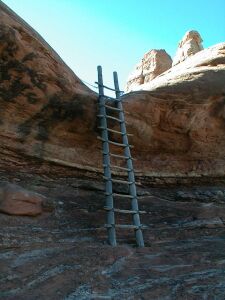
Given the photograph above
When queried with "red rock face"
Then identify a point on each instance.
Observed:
(48, 134)
(49, 118)
(47, 113)
(181, 115)
(181, 135)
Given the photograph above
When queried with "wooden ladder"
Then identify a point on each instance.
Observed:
(104, 116)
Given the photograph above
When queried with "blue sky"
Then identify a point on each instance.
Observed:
(117, 33)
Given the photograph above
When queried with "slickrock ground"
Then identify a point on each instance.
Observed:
(63, 255)
(49, 146)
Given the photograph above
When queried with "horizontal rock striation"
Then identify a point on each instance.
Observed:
(49, 148)
(49, 117)
(63, 256)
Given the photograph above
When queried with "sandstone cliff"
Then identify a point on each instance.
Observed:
(181, 114)
(47, 113)
(49, 124)
(48, 130)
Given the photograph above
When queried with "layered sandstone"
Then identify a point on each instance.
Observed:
(47, 113)
(182, 111)
(48, 134)
(49, 120)
(152, 64)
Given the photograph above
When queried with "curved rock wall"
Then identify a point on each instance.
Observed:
(49, 118)
(47, 114)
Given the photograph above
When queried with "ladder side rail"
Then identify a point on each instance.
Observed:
(131, 176)
(106, 162)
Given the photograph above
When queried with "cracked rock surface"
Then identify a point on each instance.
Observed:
(63, 254)
(49, 147)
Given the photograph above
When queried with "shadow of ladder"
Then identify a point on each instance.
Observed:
(109, 181)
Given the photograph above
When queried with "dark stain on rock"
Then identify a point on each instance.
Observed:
(55, 111)
(24, 130)
(15, 89)
(218, 108)
(28, 57)
(43, 130)
(62, 110)
(17, 86)
(8, 42)
(31, 98)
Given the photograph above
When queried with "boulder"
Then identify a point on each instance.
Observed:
(15, 200)
(152, 64)
(190, 44)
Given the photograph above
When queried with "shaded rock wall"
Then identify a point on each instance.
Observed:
(49, 118)
(46, 112)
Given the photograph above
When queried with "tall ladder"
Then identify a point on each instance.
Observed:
(104, 116)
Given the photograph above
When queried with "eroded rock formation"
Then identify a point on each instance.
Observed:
(177, 122)
(190, 44)
(152, 64)
(182, 112)
(48, 133)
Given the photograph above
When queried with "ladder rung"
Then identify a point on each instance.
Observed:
(125, 211)
(110, 130)
(114, 143)
(118, 180)
(112, 108)
(120, 195)
(110, 117)
(120, 156)
(125, 112)
(125, 226)
(109, 88)
(121, 168)
(117, 167)
(122, 181)
(115, 131)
